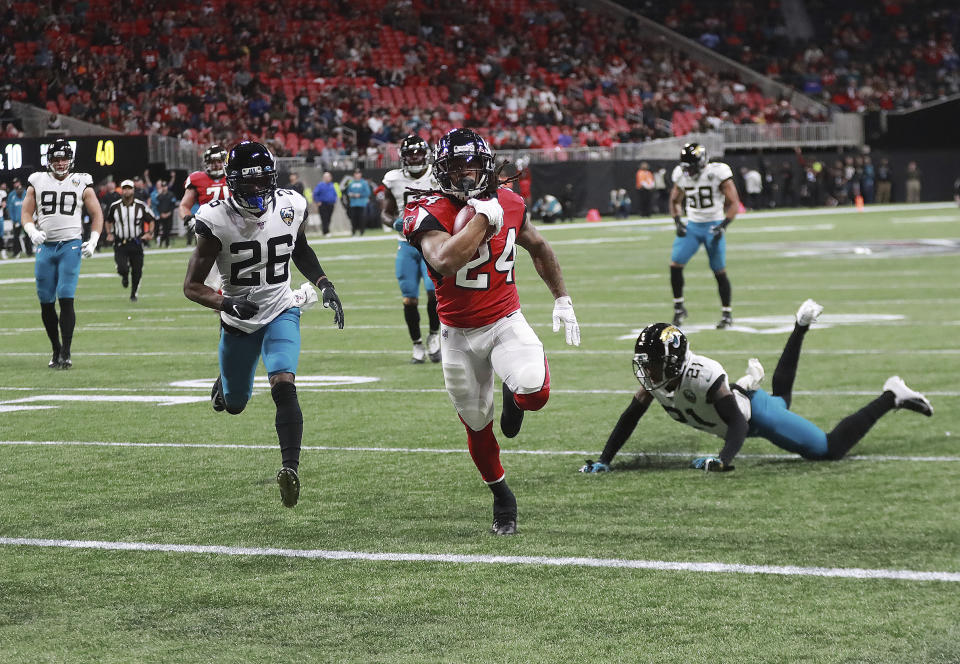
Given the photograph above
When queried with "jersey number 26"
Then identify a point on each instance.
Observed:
(277, 267)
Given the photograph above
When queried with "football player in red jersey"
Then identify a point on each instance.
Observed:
(204, 186)
(482, 328)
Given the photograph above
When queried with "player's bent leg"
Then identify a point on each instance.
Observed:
(518, 359)
(468, 378)
(238, 356)
(683, 250)
(771, 419)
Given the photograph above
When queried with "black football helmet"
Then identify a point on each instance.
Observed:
(659, 355)
(214, 157)
(251, 175)
(693, 157)
(463, 165)
(414, 152)
(58, 151)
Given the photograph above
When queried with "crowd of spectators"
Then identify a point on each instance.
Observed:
(888, 54)
(325, 78)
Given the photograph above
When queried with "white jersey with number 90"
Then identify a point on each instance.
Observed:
(702, 195)
(60, 204)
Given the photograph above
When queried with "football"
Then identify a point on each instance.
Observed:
(463, 217)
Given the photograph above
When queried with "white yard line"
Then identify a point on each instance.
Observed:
(463, 450)
(476, 559)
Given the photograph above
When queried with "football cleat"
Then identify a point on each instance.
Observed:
(124, 280)
(726, 320)
(433, 347)
(133, 297)
(216, 396)
(595, 467)
(54, 362)
(419, 354)
(754, 377)
(511, 415)
(504, 525)
(679, 313)
(289, 483)
(904, 397)
(65, 361)
(808, 313)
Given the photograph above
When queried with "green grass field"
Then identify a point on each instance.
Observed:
(390, 474)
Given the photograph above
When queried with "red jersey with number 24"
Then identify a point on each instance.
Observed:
(207, 188)
(484, 290)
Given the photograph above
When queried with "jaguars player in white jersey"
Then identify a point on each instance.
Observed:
(694, 390)
(252, 237)
(712, 203)
(415, 174)
(57, 198)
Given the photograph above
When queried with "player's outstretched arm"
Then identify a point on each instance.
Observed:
(726, 404)
(305, 258)
(548, 267)
(621, 432)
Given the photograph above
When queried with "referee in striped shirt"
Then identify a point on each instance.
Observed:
(128, 224)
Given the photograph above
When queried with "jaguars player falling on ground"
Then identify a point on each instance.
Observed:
(712, 203)
(58, 198)
(694, 390)
(415, 174)
(252, 237)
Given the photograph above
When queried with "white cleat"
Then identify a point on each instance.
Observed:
(419, 354)
(808, 313)
(433, 347)
(754, 376)
(305, 297)
(904, 397)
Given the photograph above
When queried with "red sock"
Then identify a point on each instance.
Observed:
(538, 399)
(485, 452)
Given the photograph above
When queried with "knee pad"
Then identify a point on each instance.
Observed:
(537, 399)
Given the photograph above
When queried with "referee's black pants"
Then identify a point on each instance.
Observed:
(129, 257)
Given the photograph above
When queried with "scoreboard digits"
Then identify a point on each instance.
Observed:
(119, 156)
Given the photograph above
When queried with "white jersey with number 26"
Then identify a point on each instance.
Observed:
(255, 252)
(60, 204)
(702, 195)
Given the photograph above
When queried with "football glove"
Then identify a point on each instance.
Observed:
(595, 467)
(240, 307)
(563, 315)
(710, 464)
(398, 224)
(681, 228)
(90, 246)
(36, 235)
(188, 223)
(491, 208)
(720, 228)
(305, 296)
(331, 301)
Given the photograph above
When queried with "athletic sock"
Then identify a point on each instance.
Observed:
(68, 320)
(723, 286)
(676, 281)
(412, 315)
(485, 453)
(786, 371)
(504, 502)
(623, 430)
(289, 422)
(854, 427)
(432, 315)
(48, 312)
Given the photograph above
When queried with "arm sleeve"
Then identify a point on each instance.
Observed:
(736, 427)
(204, 231)
(305, 258)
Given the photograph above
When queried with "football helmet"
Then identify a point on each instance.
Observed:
(214, 157)
(693, 157)
(463, 165)
(659, 355)
(413, 156)
(251, 175)
(60, 153)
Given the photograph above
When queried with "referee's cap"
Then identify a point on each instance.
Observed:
(126, 183)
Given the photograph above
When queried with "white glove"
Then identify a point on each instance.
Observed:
(563, 315)
(88, 247)
(305, 296)
(36, 236)
(491, 208)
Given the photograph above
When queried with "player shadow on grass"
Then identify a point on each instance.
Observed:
(658, 461)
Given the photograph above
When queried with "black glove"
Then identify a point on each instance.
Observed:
(720, 228)
(240, 307)
(330, 301)
(681, 229)
(188, 222)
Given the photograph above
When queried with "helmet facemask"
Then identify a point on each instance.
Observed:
(60, 159)
(464, 165)
(253, 193)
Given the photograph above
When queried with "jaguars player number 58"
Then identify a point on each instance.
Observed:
(251, 237)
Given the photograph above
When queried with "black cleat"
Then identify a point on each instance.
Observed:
(511, 415)
(216, 396)
(289, 483)
(504, 525)
(679, 314)
(504, 512)
(133, 298)
(65, 361)
(726, 320)
(54, 362)
(124, 280)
